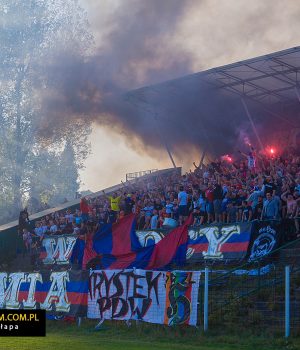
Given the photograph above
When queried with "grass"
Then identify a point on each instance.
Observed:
(117, 336)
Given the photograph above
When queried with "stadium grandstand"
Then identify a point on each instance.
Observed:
(240, 204)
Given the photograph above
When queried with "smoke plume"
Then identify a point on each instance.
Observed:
(139, 47)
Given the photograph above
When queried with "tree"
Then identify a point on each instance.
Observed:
(31, 32)
(68, 184)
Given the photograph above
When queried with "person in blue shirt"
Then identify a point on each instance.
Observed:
(224, 205)
(253, 198)
(169, 208)
(175, 210)
(270, 208)
(148, 213)
(201, 204)
(154, 220)
(182, 205)
(246, 212)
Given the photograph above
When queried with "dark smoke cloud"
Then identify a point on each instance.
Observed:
(137, 49)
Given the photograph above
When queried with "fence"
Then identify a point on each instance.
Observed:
(254, 296)
(137, 174)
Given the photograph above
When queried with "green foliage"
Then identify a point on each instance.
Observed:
(33, 33)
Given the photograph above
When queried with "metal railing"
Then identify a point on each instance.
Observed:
(137, 174)
(257, 297)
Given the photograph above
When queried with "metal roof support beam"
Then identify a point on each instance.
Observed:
(262, 106)
(202, 158)
(164, 141)
(297, 93)
(267, 75)
(276, 90)
(252, 123)
(170, 155)
(273, 75)
(248, 82)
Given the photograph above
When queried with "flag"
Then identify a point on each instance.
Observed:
(116, 247)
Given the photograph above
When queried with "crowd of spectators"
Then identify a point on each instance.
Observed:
(253, 187)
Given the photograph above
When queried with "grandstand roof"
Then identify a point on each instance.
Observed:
(269, 80)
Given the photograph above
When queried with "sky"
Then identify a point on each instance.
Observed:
(210, 33)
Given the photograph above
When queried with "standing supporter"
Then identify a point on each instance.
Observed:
(251, 159)
(201, 204)
(226, 200)
(169, 208)
(61, 225)
(290, 203)
(232, 213)
(85, 209)
(69, 216)
(161, 218)
(78, 218)
(154, 220)
(246, 212)
(157, 205)
(254, 196)
(45, 227)
(53, 227)
(209, 194)
(241, 196)
(196, 210)
(111, 215)
(27, 241)
(257, 211)
(115, 203)
(269, 186)
(102, 219)
(270, 207)
(38, 231)
(23, 220)
(175, 210)
(182, 205)
(129, 203)
(68, 228)
(121, 215)
(148, 209)
(217, 200)
(141, 221)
